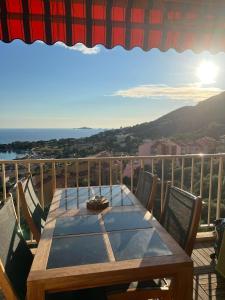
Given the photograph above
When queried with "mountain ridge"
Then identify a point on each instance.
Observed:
(206, 118)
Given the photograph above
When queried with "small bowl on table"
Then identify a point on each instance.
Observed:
(98, 203)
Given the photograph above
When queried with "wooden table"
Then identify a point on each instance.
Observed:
(81, 249)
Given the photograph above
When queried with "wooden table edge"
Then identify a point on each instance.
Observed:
(78, 276)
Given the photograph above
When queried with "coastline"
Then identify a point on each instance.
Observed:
(39, 143)
(13, 135)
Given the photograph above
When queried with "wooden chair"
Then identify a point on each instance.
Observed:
(180, 217)
(220, 266)
(16, 260)
(146, 189)
(15, 256)
(32, 210)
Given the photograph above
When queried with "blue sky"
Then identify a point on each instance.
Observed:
(56, 87)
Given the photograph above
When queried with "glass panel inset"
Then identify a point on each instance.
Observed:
(114, 194)
(120, 199)
(125, 220)
(76, 198)
(68, 199)
(77, 250)
(77, 225)
(137, 244)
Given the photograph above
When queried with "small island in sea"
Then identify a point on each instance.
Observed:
(84, 128)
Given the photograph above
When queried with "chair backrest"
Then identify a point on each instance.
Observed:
(181, 215)
(15, 256)
(146, 189)
(33, 212)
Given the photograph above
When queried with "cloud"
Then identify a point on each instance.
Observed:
(81, 48)
(190, 92)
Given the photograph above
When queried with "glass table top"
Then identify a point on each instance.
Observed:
(137, 244)
(77, 250)
(125, 220)
(79, 239)
(77, 225)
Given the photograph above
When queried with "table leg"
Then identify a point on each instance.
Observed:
(35, 292)
(183, 284)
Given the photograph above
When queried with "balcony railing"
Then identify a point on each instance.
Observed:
(201, 174)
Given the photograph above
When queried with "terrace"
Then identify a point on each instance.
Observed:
(195, 173)
(148, 24)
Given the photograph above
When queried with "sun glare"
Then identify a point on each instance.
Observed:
(207, 72)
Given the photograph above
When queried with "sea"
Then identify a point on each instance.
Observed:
(31, 135)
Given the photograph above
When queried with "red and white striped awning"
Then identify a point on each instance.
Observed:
(163, 24)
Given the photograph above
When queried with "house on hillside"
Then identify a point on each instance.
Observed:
(128, 168)
(201, 145)
(145, 148)
(222, 139)
(163, 146)
(207, 144)
(189, 148)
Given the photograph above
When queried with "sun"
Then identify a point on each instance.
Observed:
(207, 72)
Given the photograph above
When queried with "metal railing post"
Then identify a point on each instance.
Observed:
(77, 173)
(42, 184)
(99, 173)
(210, 190)
(192, 173)
(121, 171)
(89, 174)
(17, 193)
(132, 176)
(182, 174)
(219, 189)
(172, 172)
(53, 178)
(65, 175)
(202, 176)
(3, 182)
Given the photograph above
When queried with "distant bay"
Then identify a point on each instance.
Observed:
(10, 155)
(32, 135)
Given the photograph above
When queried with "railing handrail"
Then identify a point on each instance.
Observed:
(125, 168)
(125, 157)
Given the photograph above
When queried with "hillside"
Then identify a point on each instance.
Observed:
(205, 118)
